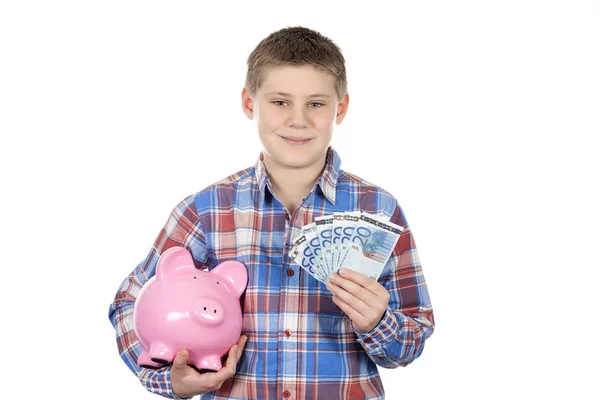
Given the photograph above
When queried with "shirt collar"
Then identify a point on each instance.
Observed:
(327, 182)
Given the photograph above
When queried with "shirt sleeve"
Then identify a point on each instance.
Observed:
(400, 336)
(181, 229)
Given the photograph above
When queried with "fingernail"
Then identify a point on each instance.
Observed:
(343, 272)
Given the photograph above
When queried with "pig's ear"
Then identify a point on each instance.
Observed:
(173, 262)
(234, 275)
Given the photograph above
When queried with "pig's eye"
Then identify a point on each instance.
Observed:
(217, 282)
(195, 278)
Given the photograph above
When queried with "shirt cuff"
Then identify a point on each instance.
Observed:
(170, 388)
(381, 334)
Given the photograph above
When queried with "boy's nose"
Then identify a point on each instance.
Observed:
(297, 119)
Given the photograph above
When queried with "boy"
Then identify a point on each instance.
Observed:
(301, 339)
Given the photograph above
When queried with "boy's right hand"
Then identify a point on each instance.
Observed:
(187, 382)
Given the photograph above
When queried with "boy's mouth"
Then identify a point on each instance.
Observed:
(295, 140)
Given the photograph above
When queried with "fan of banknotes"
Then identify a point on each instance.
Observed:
(353, 239)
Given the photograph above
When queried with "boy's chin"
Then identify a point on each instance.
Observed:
(297, 161)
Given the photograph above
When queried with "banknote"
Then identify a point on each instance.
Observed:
(352, 239)
(302, 254)
(336, 237)
(349, 223)
(324, 232)
(312, 238)
(373, 243)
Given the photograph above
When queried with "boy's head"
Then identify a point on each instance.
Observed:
(296, 90)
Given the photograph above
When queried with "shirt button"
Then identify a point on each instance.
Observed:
(286, 394)
(290, 272)
(367, 340)
(287, 333)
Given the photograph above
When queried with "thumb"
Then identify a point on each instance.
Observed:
(181, 359)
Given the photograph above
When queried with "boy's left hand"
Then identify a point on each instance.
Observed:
(363, 299)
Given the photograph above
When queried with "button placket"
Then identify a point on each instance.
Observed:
(290, 317)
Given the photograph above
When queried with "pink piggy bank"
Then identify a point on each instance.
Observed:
(184, 307)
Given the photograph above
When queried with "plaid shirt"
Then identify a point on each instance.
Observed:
(300, 344)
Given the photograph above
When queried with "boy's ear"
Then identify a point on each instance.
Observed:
(342, 109)
(247, 104)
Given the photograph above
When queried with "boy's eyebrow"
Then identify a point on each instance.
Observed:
(284, 94)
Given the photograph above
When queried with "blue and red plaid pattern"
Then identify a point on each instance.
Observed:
(299, 342)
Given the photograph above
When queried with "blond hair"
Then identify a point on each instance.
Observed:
(296, 46)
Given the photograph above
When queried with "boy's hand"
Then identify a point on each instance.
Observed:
(187, 382)
(363, 299)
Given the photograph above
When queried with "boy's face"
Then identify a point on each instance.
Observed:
(295, 109)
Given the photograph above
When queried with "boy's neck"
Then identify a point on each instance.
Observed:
(292, 185)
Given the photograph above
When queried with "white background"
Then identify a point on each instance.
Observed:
(481, 117)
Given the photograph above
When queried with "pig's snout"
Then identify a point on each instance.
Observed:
(209, 311)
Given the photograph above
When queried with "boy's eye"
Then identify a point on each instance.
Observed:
(283, 103)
